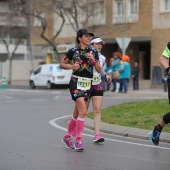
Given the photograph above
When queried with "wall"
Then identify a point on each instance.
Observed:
(20, 70)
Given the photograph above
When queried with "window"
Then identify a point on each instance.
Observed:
(125, 11)
(119, 8)
(164, 5)
(167, 5)
(37, 71)
(117, 11)
(97, 14)
(133, 7)
(132, 10)
(4, 7)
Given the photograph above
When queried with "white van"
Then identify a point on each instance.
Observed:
(49, 75)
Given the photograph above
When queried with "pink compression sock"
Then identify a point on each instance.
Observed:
(79, 126)
(71, 126)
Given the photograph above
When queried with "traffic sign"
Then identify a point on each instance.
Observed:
(123, 43)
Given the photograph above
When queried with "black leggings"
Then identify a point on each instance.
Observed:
(166, 118)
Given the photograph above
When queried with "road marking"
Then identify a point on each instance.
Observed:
(56, 97)
(24, 90)
(36, 91)
(37, 100)
(6, 97)
(53, 123)
(149, 133)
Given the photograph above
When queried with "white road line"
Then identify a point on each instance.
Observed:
(6, 97)
(37, 100)
(24, 90)
(53, 123)
(35, 91)
(149, 133)
(56, 97)
(11, 101)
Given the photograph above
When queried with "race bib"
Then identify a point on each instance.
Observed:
(83, 83)
(96, 79)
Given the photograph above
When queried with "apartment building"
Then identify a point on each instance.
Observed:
(13, 29)
(143, 21)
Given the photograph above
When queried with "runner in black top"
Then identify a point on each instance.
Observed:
(81, 59)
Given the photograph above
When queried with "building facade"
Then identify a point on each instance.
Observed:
(143, 21)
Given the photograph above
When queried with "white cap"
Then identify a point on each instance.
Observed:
(97, 40)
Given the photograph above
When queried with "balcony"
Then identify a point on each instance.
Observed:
(118, 18)
(132, 18)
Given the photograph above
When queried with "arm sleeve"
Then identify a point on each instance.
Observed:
(69, 54)
(122, 67)
(114, 63)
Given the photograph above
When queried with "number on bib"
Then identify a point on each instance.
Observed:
(83, 84)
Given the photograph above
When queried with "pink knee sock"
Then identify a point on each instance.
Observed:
(71, 126)
(79, 127)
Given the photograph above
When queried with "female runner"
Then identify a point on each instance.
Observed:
(81, 59)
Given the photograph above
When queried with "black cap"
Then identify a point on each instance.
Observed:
(84, 31)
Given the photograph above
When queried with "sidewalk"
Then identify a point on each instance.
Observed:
(128, 131)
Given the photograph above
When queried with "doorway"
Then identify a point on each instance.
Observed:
(145, 59)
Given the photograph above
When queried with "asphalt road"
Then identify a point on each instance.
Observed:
(33, 122)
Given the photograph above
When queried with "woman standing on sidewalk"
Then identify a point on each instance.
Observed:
(97, 89)
(81, 59)
(124, 72)
(115, 64)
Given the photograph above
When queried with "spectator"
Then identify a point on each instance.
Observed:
(135, 76)
(115, 77)
(109, 72)
(124, 72)
(103, 78)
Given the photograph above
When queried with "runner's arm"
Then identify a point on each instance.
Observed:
(64, 64)
(163, 61)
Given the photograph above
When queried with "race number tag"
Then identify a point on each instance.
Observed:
(83, 83)
(96, 79)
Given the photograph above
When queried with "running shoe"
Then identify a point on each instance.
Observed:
(154, 138)
(98, 138)
(79, 145)
(68, 143)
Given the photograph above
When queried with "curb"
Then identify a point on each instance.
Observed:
(126, 131)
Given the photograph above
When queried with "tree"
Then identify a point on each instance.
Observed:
(78, 12)
(13, 32)
(41, 11)
(84, 13)
(75, 11)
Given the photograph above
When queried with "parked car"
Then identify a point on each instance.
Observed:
(49, 75)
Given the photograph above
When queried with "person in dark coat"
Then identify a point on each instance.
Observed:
(135, 76)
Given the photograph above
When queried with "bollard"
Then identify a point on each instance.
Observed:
(4, 83)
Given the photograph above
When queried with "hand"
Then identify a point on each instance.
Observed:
(76, 66)
(90, 56)
(108, 78)
(168, 72)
